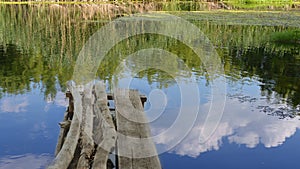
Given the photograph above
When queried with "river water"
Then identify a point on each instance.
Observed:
(250, 111)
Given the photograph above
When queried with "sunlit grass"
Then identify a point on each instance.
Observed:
(262, 4)
(179, 5)
(288, 37)
(244, 17)
(51, 2)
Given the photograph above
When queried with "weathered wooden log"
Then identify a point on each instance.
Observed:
(64, 128)
(86, 130)
(104, 129)
(134, 144)
(65, 124)
(65, 156)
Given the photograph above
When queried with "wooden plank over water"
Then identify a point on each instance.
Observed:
(66, 153)
(135, 148)
(88, 132)
(104, 129)
(64, 128)
(86, 129)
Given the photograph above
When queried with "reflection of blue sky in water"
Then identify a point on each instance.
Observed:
(30, 127)
(26, 161)
(245, 131)
(14, 104)
(240, 125)
(243, 122)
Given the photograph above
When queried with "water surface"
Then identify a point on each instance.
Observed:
(260, 124)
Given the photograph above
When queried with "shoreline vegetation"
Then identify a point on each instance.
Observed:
(168, 5)
(109, 9)
(40, 42)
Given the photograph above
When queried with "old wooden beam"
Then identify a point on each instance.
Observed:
(65, 156)
(64, 128)
(134, 144)
(104, 129)
(86, 130)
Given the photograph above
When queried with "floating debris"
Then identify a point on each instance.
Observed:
(274, 109)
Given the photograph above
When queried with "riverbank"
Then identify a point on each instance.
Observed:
(173, 5)
(112, 9)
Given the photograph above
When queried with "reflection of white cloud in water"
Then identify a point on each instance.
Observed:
(269, 131)
(59, 100)
(26, 161)
(39, 130)
(13, 104)
(241, 124)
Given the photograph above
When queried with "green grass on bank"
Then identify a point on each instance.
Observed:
(287, 37)
(262, 4)
(50, 2)
(245, 17)
(180, 4)
(261, 1)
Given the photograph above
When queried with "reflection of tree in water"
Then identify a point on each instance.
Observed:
(153, 75)
(19, 71)
(121, 51)
(15, 71)
(43, 45)
(38, 47)
(278, 70)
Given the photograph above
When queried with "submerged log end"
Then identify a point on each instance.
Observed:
(65, 124)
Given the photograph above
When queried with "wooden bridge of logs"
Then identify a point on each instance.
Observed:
(95, 135)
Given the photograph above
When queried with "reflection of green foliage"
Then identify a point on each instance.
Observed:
(289, 37)
(278, 70)
(155, 75)
(15, 69)
(40, 45)
(125, 48)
